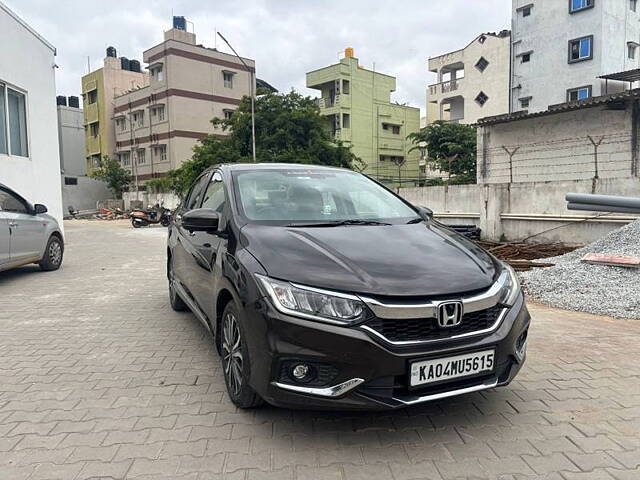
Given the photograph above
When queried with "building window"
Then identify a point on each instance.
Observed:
(631, 50)
(70, 181)
(158, 111)
(157, 73)
(125, 159)
(525, 57)
(482, 64)
(395, 129)
(346, 120)
(228, 79)
(140, 156)
(579, 5)
(633, 5)
(94, 129)
(94, 161)
(581, 49)
(346, 87)
(526, 11)
(482, 98)
(160, 152)
(525, 102)
(13, 122)
(398, 160)
(138, 118)
(580, 93)
(121, 124)
(228, 114)
(92, 96)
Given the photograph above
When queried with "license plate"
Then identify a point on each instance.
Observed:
(441, 369)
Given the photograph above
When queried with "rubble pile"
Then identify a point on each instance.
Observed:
(599, 289)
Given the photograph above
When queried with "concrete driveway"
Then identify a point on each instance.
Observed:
(99, 378)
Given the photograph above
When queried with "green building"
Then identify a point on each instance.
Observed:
(359, 112)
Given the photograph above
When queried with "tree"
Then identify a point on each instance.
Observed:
(289, 128)
(110, 172)
(451, 148)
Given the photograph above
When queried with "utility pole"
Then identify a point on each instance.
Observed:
(251, 94)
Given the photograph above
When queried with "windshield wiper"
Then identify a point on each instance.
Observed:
(415, 220)
(338, 223)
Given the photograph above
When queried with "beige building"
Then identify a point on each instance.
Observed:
(99, 88)
(472, 83)
(157, 126)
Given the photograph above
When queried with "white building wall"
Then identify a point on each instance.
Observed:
(546, 33)
(557, 147)
(459, 97)
(27, 64)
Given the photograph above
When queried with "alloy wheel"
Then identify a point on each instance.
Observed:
(55, 253)
(232, 359)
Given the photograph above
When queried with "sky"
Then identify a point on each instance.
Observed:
(287, 38)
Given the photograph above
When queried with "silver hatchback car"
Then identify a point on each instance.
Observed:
(27, 233)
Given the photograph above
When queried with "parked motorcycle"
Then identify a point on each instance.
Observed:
(150, 216)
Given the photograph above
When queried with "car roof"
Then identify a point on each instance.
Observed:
(272, 166)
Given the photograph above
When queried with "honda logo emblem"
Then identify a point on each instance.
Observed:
(449, 314)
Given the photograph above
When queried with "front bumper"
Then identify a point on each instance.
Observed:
(367, 373)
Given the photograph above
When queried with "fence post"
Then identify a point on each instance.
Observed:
(511, 154)
(595, 153)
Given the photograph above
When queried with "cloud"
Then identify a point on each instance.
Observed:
(287, 38)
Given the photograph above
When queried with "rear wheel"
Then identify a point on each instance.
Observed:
(176, 302)
(235, 360)
(53, 253)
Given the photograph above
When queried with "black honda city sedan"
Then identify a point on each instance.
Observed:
(324, 289)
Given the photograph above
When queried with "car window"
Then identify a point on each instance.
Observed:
(214, 196)
(195, 196)
(10, 203)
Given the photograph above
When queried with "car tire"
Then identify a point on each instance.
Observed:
(235, 360)
(176, 302)
(53, 253)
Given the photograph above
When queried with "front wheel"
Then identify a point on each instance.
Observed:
(165, 222)
(52, 258)
(137, 223)
(235, 360)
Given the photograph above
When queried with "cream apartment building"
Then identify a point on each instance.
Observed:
(158, 125)
(473, 82)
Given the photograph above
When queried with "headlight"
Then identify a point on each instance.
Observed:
(313, 303)
(510, 287)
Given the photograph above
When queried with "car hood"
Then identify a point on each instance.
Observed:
(398, 260)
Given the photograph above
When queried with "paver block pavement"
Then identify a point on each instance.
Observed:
(100, 378)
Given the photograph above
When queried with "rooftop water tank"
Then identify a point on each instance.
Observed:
(124, 63)
(134, 66)
(61, 100)
(111, 52)
(74, 102)
(179, 23)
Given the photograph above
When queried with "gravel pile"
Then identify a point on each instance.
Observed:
(598, 289)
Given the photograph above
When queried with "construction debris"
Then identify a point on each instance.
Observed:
(593, 288)
(612, 260)
(520, 255)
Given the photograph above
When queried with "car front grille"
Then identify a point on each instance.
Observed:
(426, 329)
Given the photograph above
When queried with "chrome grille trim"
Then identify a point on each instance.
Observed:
(406, 310)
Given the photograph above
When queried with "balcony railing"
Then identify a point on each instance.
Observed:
(445, 87)
(328, 102)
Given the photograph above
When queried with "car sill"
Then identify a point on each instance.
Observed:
(190, 303)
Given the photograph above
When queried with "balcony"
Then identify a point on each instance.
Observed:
(328, 102)
(445, 87)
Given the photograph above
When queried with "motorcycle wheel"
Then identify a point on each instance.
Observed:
(135, 223)
(165, 222)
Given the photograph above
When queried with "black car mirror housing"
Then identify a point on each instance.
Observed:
(201, 220)
(38, 209)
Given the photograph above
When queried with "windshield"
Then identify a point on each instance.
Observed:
(283, 196)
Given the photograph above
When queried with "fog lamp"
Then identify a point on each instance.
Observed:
(300, 371)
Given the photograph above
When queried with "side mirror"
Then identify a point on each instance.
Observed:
(38, 208)
(425, 213)
(201, 220)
